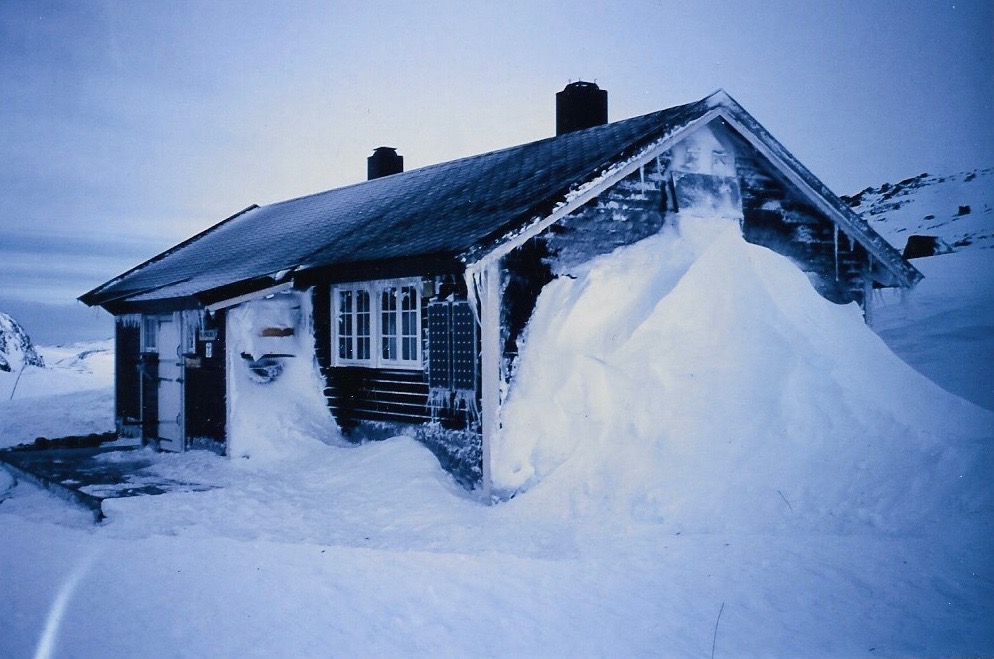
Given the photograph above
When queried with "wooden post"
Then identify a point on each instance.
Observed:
(868, 291)
(835, 239)
(486, 281)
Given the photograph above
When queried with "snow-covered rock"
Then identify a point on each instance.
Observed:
(16, 349)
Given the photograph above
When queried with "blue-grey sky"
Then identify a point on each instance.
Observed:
(127, 126)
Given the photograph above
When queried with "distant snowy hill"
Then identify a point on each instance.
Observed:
(944, 328)
(959, 209)
(16, 349)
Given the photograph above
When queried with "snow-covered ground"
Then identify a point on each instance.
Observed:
(723, 463)
(71, 395)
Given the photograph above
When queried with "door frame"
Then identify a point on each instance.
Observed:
(151, 344)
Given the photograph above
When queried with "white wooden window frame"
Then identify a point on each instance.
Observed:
(375, 289)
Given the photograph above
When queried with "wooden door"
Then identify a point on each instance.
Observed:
(170, 413)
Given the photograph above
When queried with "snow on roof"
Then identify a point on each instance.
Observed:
(440, 211)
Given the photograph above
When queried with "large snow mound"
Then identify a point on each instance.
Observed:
(699, 380)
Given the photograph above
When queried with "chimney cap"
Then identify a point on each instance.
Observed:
(581, 84)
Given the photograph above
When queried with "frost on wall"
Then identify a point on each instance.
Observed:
(276, 402)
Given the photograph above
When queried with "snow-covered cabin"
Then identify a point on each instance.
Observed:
(416, 286)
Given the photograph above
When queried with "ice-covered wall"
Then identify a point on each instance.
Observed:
(276, 403)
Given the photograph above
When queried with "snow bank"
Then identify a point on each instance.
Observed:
(277, 406)
(698, 380)
(944, 328)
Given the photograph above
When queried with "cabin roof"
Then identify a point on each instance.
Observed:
(443, 211)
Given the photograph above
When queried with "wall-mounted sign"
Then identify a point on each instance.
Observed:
(208, 335)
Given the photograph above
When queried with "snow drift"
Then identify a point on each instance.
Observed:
(699, 380)
(277, 406)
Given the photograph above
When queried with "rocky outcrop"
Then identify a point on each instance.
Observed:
(16, 349)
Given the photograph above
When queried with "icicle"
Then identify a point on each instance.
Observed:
(835, 238)
(642, 179)
(130, 320)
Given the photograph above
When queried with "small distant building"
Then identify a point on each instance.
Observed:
(418, 284)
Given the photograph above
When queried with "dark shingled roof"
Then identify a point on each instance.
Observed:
(438, 212)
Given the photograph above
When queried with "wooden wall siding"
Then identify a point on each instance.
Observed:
(127, 383)
(366, 394)
(776, 216)
(629, 211)
(204, 381)
(526, 271)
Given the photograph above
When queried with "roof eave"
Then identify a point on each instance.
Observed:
(93, 297)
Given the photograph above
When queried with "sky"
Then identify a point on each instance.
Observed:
(126, 127)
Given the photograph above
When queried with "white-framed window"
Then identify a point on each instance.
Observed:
(377, 324)
(150, 333)
(353, 327)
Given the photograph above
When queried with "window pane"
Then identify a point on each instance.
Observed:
(362, 324)
(388, 323)
(409, 330)
(345, 327)
(389, 335)
(410, 349)
(151, 330)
